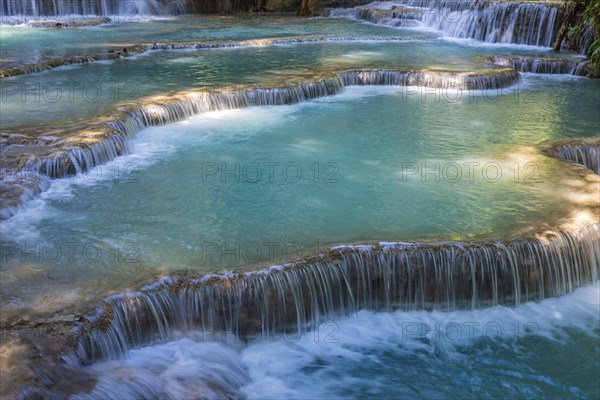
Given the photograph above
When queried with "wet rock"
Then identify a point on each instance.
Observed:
(70, 24)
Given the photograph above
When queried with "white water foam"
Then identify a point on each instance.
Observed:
(499, 45)
(423, 27)
(177, 370)
(149, 146)
(157, 143)
(148, 149)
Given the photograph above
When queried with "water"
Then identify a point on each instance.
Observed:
(528, 23)
(581, 155)
(334, 177)
(535, 350)
(33, 9)
(83, 90)
(505, 22)
(22, 45)
(540, 66)
(205, 204)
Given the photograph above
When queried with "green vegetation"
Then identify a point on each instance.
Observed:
(591, 16)
(579, 17)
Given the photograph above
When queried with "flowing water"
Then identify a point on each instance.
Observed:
(309, 176)
(504, 22)
(81, 90)
(544, 350)
(438, 185)
(30, 9)
(22, 45)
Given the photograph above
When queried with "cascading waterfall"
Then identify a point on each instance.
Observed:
(296, 297)
(432, 79)
(539, 65)
(587, 154)
(108, 140)
(390, 276)
(18, 188)
(339, 12)
(29, 9)
(489, 21)
(584, 68)
(583, 40)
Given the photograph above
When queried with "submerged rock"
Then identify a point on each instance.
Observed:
(70, 24)
(400, 16)
(70, 60)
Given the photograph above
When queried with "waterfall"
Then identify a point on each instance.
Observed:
(107, 138)
(489, 21)
(493, 79)
(582, 41)
(584, 68)
(17, 188)
(539, 65)
(297, 297)
(587, 154)
(65, 9)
